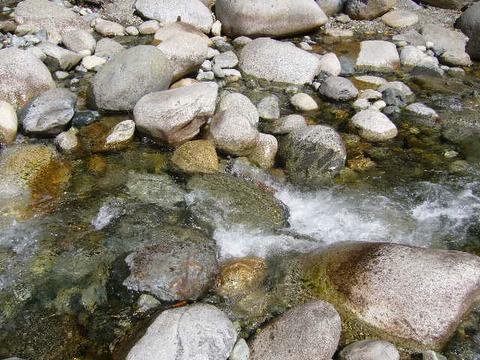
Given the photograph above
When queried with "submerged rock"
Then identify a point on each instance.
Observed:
(195, 332)
(370, 350)
(415, 297)
(175, 116)
(313, 154)
(197, 156)
(181, 267)
(269, 108)
(291, 65)
(133, 73)
(264, 153)
(308, 331)
(269, 17)
(338, 88)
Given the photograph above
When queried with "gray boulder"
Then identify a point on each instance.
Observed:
(370, 350)
(49, 113)
(79, 40)
(449, 44)
(108, 48)
(313, 154)
(133, 73)
(195, 332)
(192, 12)
(331, 7)
(448, 4)
(469, 23)
(175, 116)
(278, 61)
(368, 9)
(268, 17)
(59, 58)
(22, 77)
(181, 267)
(338, 88)
(308, 331)
(184, 45)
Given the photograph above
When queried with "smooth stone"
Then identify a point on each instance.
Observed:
(331, 7)
(371, 80)
(198, 156)
(149, 27)
(227, 59)
(120, 11)
(313, 154)
(269, 17)
(132, 30)
(181, 267)
(269, 108)
(93, 62)
(410, 37)
(78, 40)
(368, 9)
(432, 355)
(233, 129)
(361, 104)
(469, 23)
(264, 153)
(455, 58)
(379, 105)
(303, 102)
(49, 113)
(232, 74)
(8, 123)
(146, 303)
(194, 332)
(411, 57)
(444, 40)
(330, 64)
(339, 33)
(374, 126)
(308, 331)
(108, 48)
(59, 58)
(421, 110)
(216, 28)
(183, 82)
(240, 351)
(184, 45)
(175, 116)
(205, 76)
(399, 89)
(192, 12)
(378, 55)
(67, 141)
(338, 88)
(121, 133)
(241, 41)
(284, 125)
(370, 94)
(133, 73)
(109, 28)
(292, 65)
(400, 18)
(370, 350)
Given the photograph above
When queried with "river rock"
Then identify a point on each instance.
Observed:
(313, 154)
(59, 58)
(93, 62)
(469, 23)
(175, 116)
(54, 18)
(22, 77)
(133, 73)
(448, 4)
(370, 350)
(8, 123)
(448, 43)
(368, 9)
(308, 331)
(194, 332)
(330, 64)
(303, 102)
(79, 40)
(121, 134)
(120, 11)
(149, 27)
(181, 267)
(389, 287)
(184, 45)
(264, 152)
(411, 57)
(67, 141)
(374, 126)
(109, 28)
(235, 201)
(240, 351)
(198, 156)
(108, 48)
(291, 65)
(338, 88)
(269, 17)
(331, 7)
(422, 110)
(378, 55)
(49, 113)
(269, 108)
(226, 59)
(192, 12)
(400, 18)
(284, 125)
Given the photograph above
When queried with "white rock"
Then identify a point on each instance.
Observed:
(61, 75)
(378, 55)
(232, 74)
(305, 46)
(269, 108)
(93, 62)
(205, 76)
(361, 104)
(149, 27)
(67, 141)
(330, 64)
(422, 110)
(370, 94)
(379, 105)
(132, 30)
(241, 41)
(411, 56)
(240, 351)
(122, 132)
(78, 40)
(374, 126)
(212, 53)
(206, 65)
(285, 125)
(339, 33)
(58, 57)
(303, 102)
(371, 80)
(217, 28)
(226, 59)
(109, 28)
(400, 18)
(8, 123)
(263, 154)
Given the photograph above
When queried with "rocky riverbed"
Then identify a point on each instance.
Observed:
(268, 179)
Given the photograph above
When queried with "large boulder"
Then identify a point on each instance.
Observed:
(414, 297)
(368, 9)
(192, 12)
(49, 113)
(133, 73)
(175, 116)
(469, 23)
(268, 17)
(195, 332)
(22, 77)
(313, 154)
(184, 45)
(308, 331)
(181, 267)
(278, 61)
(49, 15)
(234, 127)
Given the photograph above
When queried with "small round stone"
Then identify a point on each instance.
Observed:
(374, 126)
(400, 18)
(303, 102)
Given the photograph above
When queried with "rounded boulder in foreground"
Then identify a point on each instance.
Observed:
(374, 126)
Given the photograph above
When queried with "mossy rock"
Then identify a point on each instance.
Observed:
(198, 156)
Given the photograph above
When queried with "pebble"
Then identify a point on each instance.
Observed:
(379, 105)
(264, 153)
(67, 141)
(206, 65)
(216, 28)
(370, 94)
(371, 80)
(232, 74)
(338, 88)
(422, 110)
(8, 123)
(370, 350)
(121, 133)
(241, 41)
(132, 30)
(61, 75)
(361, 104)
(305, 46)
(226, 59)
(339, 33)
(285, 125)
(303, 102)
(205, 76)
(330, 64)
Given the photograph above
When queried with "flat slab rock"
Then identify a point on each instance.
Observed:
(378, 55)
